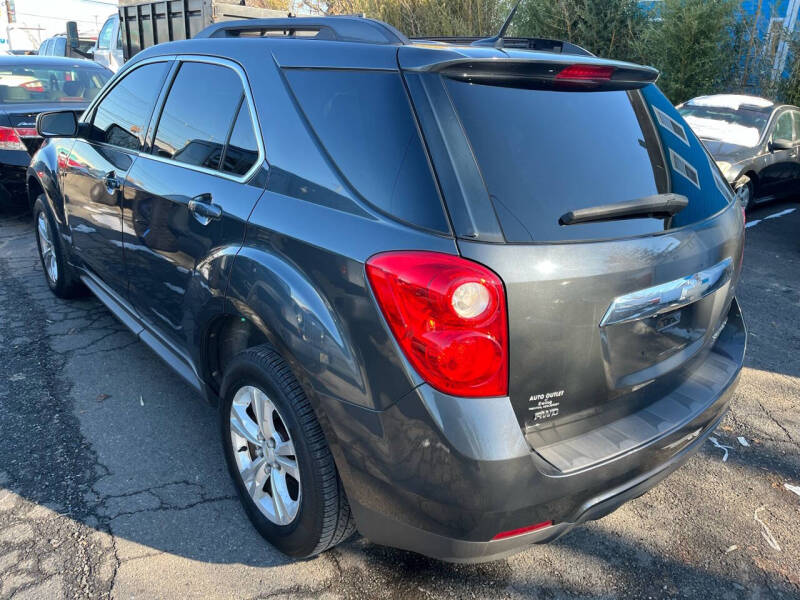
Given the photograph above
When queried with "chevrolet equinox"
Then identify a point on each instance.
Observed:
(459, 297)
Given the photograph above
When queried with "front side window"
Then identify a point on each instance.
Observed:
(783, 127)
(122, 117)
(198, 114)
(104, 38)
(796, 125)
(60, 46)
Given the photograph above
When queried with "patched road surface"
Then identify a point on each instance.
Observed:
(112, 480)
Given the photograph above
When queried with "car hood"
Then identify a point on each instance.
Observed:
(725, 151)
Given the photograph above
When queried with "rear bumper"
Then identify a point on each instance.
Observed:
(442, 476)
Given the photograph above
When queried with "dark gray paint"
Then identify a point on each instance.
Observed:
(422, 470)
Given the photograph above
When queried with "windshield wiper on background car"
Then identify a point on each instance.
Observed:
(658, 206)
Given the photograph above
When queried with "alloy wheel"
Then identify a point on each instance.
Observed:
(47, 248)
(265, 455)
(743, 195)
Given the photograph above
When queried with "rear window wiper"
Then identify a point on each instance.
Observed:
(659, 206)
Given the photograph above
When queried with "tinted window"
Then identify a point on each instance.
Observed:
(241, 152)
(104, 38)
(122, 117)
(796, 129)
(545, 153)
(365, 122)
(62, 83)
(783, 127)
(198, 114)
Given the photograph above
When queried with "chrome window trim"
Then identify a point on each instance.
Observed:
(213, 60)
(180, 58)
(114, 82)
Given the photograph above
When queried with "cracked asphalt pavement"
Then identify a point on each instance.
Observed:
(113, 484)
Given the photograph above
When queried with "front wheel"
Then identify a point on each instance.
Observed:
(744, 193)
(278, 457)
(61, 277)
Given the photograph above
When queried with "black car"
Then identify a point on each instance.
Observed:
(754, 141)
(459, 297)
(28, 86)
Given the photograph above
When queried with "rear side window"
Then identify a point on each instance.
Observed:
(241, 152)
(544, 153)
(198, 114)
(122, 116)
(365, 123)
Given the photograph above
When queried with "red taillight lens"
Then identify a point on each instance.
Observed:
(33, 86)
(449, 316)
(9, 139)
(521, 530)
(585, 72)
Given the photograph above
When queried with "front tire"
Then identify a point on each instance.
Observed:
(59, 274)
(745, 191)
(278, 457)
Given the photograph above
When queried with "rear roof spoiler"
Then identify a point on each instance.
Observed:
(517, 43)
(557, 73)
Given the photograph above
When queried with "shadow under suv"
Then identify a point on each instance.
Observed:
(458, 297)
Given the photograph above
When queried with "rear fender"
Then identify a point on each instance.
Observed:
(289, 312)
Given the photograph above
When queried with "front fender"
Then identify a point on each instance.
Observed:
(44, 170)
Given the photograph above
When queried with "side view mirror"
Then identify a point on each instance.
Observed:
(62, 123)
(72, 34)
(780, 144)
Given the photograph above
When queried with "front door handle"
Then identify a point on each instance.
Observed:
(204, 210)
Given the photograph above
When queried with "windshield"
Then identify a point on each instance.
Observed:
(29, 84)
(742, 127)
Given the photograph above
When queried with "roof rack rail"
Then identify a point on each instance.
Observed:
(339, 28)
(539, 44)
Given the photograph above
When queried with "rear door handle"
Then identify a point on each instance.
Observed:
(111, 181)
(204, 210)
(668, 296)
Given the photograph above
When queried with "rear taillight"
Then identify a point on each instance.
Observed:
(33, 86)
(449, 316)
(10, 140)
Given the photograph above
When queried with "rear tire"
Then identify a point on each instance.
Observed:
(61, 277)
(284, 456)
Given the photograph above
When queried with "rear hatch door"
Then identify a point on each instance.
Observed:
(605, 318)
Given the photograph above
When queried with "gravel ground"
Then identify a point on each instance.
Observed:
(112, 482)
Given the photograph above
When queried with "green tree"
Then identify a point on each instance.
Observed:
(609, 28)
(693, 44)
(418, 18)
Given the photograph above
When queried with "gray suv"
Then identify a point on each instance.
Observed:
(459, 297)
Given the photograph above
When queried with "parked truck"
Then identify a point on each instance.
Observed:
(140, 24)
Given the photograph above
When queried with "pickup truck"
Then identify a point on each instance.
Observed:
(140, 24)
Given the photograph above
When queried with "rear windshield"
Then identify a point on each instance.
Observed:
(545, 153)
(68, 83)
